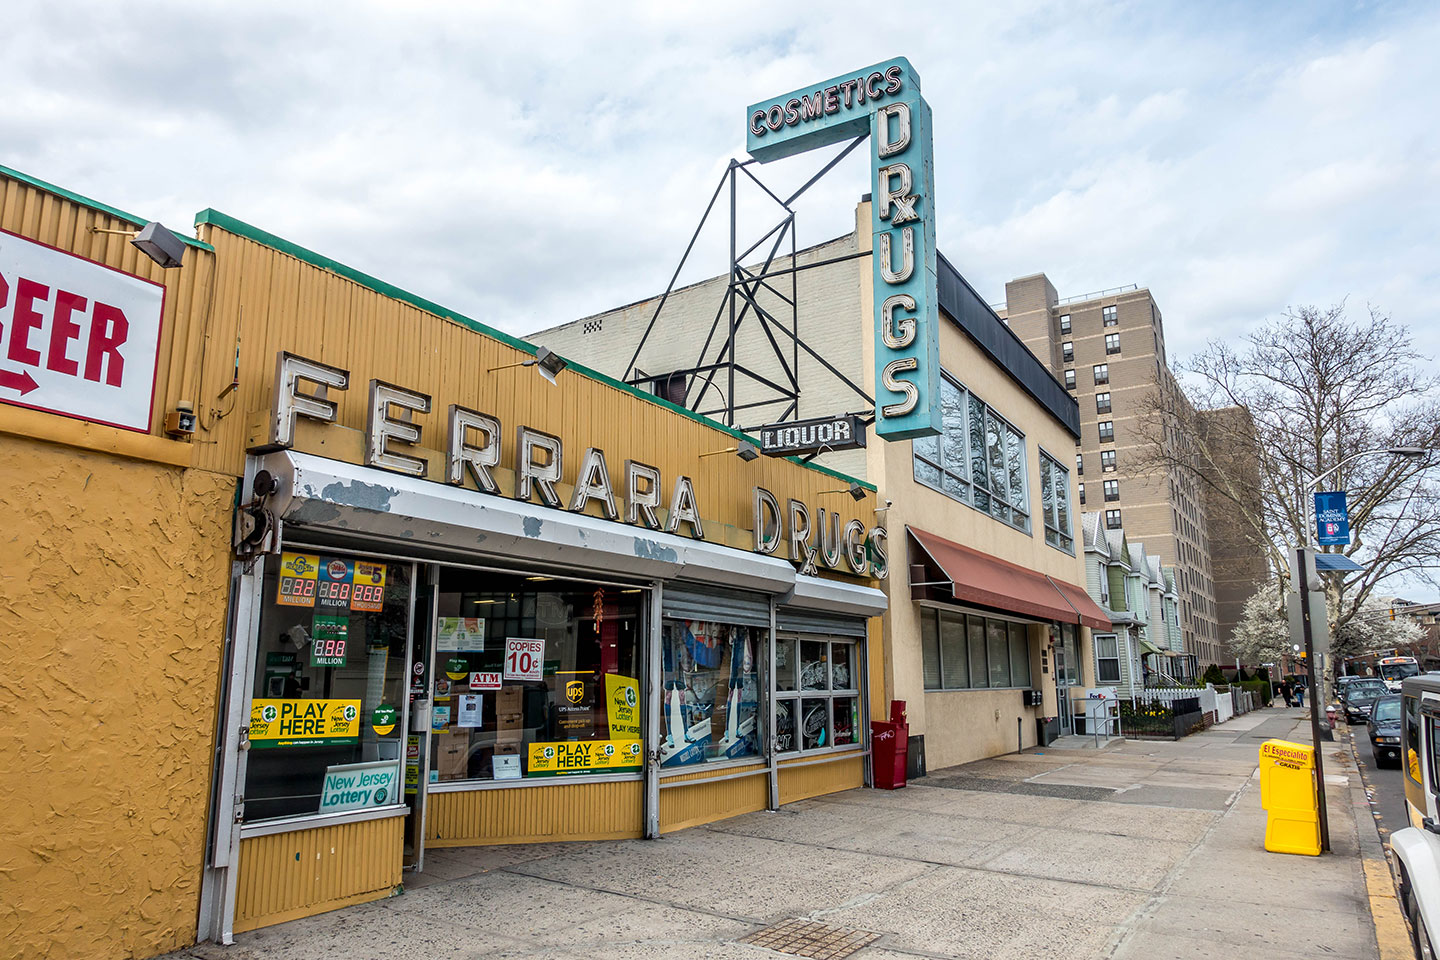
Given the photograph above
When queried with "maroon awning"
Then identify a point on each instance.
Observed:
(979, 578)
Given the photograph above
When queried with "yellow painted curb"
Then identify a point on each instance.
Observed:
(1391, 933)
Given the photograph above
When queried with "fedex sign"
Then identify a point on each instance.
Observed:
(76, 338)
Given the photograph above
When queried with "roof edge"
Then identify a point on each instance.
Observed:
(104, 208)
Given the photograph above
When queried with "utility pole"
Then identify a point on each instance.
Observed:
(1302, 577)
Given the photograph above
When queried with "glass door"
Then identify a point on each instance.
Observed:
(417, 740)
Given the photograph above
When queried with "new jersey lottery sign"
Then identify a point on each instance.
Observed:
(76, 338)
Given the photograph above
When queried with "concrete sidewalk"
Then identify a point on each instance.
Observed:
(1141, 850)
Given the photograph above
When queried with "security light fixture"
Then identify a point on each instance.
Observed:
(855, 490)
(155, 241)
(547, 362)
(1407, 451)
(744, 449)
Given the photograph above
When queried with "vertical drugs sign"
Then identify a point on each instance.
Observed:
(885, 100)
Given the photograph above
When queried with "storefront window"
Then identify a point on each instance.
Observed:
(330, 661)
(534, 677)
(970, 651)
(826, 713)
(711, 674)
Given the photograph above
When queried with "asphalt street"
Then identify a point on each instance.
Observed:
(1386, 785)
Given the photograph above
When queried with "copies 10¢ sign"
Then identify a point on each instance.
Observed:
(76, 338)
(524, 659)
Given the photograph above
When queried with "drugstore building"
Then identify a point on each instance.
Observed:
(310, 574)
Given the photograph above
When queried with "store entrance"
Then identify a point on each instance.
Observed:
(1067, 674)
(417, 739)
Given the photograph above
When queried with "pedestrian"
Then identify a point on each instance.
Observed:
(1285, 691)
(1299, 694)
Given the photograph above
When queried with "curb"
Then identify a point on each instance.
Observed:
(1392, 933)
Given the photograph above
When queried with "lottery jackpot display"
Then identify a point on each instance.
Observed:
(330, 583)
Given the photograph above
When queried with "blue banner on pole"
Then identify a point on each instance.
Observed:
(1332, 520)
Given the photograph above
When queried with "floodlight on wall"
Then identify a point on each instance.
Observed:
(155, 241)
(856, 491)
(745, 450)
(547, 362)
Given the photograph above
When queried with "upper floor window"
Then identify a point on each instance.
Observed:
(1065, 323)
(1079, 464)
(1110, 316)
(1112, 489)
(1107, 461)
(1055, 503)
(1101, 373)
(979, 459)
(1081, 487)
(1102, 403)
(1107, 431)
(1069, 379)
(1067, 351)
(1112, 343)
(1112, 519)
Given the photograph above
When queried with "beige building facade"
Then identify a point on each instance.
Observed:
(988, 622)
(1109, 350)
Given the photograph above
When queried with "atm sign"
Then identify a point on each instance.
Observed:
(77, 338)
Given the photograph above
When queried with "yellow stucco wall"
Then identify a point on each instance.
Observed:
(113, 594)
(960, 726)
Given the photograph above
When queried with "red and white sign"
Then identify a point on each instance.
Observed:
(77, 338)
(524, 659)
(484, 681)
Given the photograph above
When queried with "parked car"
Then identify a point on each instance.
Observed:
(1417, 847)
(1384, 729)
(1360, 696)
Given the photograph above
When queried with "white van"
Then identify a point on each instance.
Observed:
(1417, 847)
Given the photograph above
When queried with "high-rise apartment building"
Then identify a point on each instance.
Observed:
(1109, 350)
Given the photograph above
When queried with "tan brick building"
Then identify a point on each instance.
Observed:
(1109, 349)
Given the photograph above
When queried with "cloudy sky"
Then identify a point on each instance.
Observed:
(528, 164)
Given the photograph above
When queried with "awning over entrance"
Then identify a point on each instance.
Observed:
(979, 578)
(1149, 647)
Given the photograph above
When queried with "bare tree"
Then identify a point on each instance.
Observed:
(1319, 388)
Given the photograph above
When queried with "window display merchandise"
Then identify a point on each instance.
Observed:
(534, 677)
(817, 698)
(711, 691)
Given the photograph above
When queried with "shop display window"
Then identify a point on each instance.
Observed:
(328, 687)
(710, 709)
(817, 699)
(534, 677)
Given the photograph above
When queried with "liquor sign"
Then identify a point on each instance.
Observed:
(806, 436)
(1332, 519)
(77, 338)
(884, 99)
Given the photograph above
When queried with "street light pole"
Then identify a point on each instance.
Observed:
(1302, 582)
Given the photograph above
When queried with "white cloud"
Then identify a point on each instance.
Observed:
(533, 163)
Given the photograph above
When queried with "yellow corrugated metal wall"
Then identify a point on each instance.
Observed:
(817, 779)
(579, 811)
(289, 875)
(283, 303)
(701, 802)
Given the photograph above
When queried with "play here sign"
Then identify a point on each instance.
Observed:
(76, 338)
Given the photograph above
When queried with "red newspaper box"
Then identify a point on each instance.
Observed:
(889, 750)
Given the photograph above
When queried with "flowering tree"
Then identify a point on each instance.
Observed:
(1263, 634)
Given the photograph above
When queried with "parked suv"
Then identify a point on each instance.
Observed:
(1360, 696)
(1417, 847)
(1384, 729)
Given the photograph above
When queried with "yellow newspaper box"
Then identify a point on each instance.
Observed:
(1288, 794)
